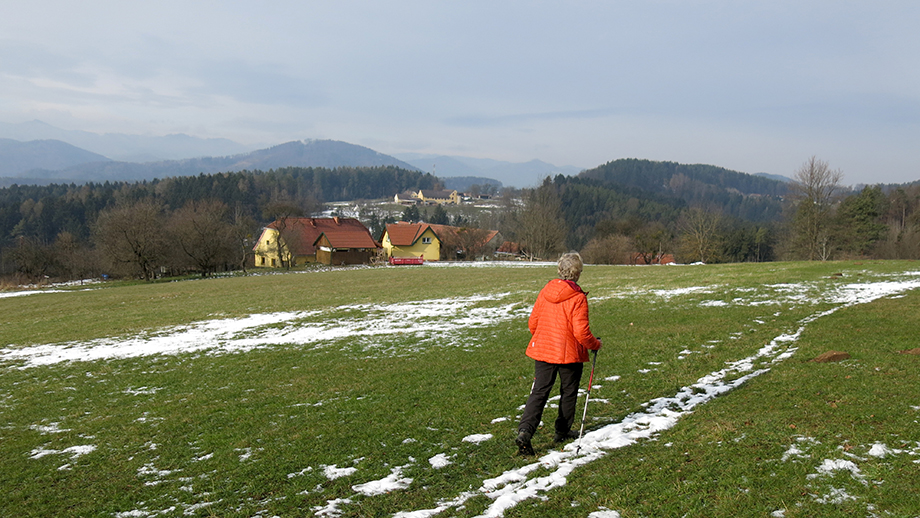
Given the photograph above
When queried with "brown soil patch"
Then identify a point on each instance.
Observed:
(831, 356)
(911, 351)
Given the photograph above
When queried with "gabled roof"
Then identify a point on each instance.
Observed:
(348, 238)
(445, 230)
(301, 234)
(406, 234)
(443, 194)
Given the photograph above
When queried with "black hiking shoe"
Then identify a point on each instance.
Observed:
(567, 436)
(523, 444)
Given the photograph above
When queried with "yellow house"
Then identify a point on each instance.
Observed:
(411, 240)
(296, 241)
(427, 196)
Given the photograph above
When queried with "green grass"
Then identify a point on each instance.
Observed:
(250, 433)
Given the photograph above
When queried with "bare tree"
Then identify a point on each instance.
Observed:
(814, 189)
(472, 241)
(611, 249)
(540, 227)
(133, 236)
(699, 234)
(34, 259)
(200, 230)
(650, 242)
(242, 231)
(74, 260)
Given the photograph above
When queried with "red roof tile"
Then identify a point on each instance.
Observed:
(301, 234)
(405, 234)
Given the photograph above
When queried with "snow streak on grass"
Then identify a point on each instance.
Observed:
(437, 320)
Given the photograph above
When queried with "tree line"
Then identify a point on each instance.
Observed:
(612, 214)
(198, 223)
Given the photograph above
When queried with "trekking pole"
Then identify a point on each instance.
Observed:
(587, 397)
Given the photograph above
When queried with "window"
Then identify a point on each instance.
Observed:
(426, 240)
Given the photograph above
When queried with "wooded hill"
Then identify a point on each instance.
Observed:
(624, 195)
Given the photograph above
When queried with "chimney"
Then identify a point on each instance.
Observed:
(336, 219)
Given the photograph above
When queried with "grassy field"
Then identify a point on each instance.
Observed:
(396, 392)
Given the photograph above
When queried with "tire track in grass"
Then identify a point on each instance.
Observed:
(514, 486)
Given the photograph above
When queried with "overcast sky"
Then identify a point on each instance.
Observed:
(754, 86)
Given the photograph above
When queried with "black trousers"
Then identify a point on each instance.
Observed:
(543, 380)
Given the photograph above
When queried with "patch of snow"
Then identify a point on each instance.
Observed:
(477, 438)
(829, 466)
(394, 481)
(11, 294)
(439, 461)
(142, 391)
(74, 451)
(300, 473)
(50, 428)
(333, 472)
(794, 451)
(835, 497)
(879, 450)
(331, 508)
(668, 294)
(437, 320)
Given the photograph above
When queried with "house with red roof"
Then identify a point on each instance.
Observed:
(411, 240)
(297, 241)
(438, 242)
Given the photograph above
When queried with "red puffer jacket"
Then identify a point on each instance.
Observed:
(559, 325)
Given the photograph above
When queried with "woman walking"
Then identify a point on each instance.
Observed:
(559, 346)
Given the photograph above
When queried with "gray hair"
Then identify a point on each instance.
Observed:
(570, 266)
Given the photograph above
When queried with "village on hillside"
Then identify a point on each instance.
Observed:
(343, 240)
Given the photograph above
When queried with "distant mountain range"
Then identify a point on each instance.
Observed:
(38, 153)
(51, 161)
(123, 147)
(18, 157)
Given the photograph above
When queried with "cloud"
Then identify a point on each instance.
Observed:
(478, 121)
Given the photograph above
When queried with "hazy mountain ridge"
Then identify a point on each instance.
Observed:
(17, 157)
(309, 153)
(125, 147)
